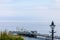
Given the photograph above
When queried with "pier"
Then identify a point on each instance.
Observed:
(35, 34)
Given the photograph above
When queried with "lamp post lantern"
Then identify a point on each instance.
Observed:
(52, 29)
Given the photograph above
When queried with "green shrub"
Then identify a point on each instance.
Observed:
(5, 36)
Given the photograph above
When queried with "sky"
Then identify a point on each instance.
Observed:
(30, 10)
(43, 11)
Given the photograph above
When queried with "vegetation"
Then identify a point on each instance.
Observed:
(5, 36)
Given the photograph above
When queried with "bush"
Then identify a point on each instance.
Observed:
(5, 36)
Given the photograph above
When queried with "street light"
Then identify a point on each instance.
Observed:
(52, 29)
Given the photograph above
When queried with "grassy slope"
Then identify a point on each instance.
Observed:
(5, 36)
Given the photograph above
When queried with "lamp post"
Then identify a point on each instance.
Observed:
(52, 29)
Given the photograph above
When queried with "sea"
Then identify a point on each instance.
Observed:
(40, 27)
(29, 38)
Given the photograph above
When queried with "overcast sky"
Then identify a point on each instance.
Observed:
(30, 10)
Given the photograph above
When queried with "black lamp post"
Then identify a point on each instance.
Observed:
(52, 29)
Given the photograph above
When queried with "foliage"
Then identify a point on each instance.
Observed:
(5, 36)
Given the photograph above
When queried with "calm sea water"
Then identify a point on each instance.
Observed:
(28, 38)
(42, 28)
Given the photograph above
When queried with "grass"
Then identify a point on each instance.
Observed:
(5, 36)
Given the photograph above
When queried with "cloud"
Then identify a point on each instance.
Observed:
(7, 8)
(28, 10)
(5, 1)
(57, 3)
(6, 11)
(24, 8)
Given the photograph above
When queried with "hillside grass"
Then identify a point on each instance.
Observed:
(5, 36)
